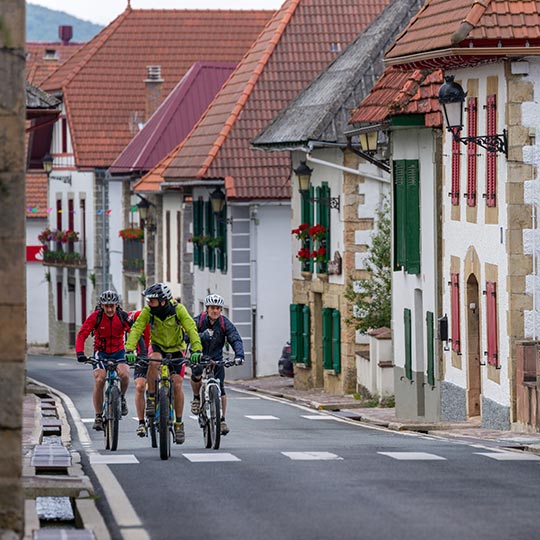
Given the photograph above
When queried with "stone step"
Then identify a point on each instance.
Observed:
(63, 534)
(50, 457)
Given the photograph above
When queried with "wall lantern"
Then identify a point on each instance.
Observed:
(303, 173)
(452, 97)
(217, 200)
(47, 163)
(144, 213)
(368, 142)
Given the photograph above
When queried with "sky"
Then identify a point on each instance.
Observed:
(104, 11)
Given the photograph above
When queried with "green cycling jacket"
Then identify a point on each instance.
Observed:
(168, 335)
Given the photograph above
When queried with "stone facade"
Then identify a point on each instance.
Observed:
(12, 261)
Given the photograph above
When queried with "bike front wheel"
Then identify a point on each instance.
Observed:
(113, 418)
(214, 419)
(163, 424)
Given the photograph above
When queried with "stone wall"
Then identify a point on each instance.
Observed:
(12, 262)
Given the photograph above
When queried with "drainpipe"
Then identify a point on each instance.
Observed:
(254, 222)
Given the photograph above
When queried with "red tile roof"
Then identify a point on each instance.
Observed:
(36, 195)
(40, 66)
(300, 41)
(103, 83)
(402, 92)
(469, 25)
(174, 118)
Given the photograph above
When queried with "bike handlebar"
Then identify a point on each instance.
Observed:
(205, 361)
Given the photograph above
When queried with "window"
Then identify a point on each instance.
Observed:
(308, 216)
(492, 337)
(83, 303)
(407, 215)
(71, 215)
(472, 131)
(59, 304)
(331, 335)
(300, 331)
(323, 218)
(491, 157)
(64, 136)
(59, 214)
(408, 343)
(82, 204)
(198, 220)
(454, 299)
(430, 349)
(456, 165)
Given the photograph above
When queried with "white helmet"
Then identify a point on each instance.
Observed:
(214, 300)
(109, 297)
(161, 291)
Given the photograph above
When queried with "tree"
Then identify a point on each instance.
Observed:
(371, 298)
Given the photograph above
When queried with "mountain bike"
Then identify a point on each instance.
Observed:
(111, 412)
(210, 402)
(165, 416)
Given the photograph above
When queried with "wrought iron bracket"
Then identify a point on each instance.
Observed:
(334, 202)
(492, 143)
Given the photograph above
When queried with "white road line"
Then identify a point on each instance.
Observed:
(110, 459)
(87, 420)
(318, 417)
(261, 417)
(509, 456)
(412, 456)
(244, 398)
(121, 508)
(312, 456)
(193, 417)
(210, 457)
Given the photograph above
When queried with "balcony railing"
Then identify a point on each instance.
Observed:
(133, 255)
(64, 254)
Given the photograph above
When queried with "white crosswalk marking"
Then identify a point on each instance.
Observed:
(261, 417)
(318, 417)
(311, 456)
(211, 457)
(87, 420)
(412, 456)
(112, 459)
(509, 456)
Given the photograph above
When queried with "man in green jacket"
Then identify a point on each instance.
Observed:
(168, 320)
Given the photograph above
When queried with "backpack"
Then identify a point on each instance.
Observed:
(124, 316)
(203, 316)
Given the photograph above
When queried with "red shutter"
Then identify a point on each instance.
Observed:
(64, 135)
(59, 214)
(491, 157)
(472, 128)
(491, 308)
(71, 215)
(456, 164)
(59, 304)
(83, 303)
(456, 336)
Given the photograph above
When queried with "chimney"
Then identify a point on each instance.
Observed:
(65, 33)
(153, 84)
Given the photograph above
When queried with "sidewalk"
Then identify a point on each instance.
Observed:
(346, 406)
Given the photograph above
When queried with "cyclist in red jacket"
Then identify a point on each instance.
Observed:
(109, 324)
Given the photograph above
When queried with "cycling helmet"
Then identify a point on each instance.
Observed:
(214, 300)
(109, 297)
(161, 291)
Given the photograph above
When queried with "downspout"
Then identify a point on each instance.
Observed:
(254, 222)
(357, 172)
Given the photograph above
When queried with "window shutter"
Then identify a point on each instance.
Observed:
(456, 166)
(296, 326)
(456, 330)
(308, 211)
(408, 343)
(305, 335)
(492, 338)
(491, 157)
(399, 214)
(336, 340)
(413, 217)
(430, 349)
(210, 232)
(327, 338)
(323, 218)
(222, 233)
(472, 129)
(196, 232)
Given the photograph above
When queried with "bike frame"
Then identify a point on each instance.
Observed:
(112, 379)
(165, 380)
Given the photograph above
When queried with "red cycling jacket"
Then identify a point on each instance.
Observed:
(108, 336)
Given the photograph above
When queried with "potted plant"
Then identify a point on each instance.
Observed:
(216, 242)
(301, 232)
(132, 233)
(70, 236)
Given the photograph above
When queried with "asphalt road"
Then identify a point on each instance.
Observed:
(293, 473)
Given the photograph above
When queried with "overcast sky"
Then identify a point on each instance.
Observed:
(104, 11)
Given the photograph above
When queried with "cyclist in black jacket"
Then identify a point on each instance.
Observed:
(214, 329)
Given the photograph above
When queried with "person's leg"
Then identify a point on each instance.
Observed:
(99, 385)
(223, 405)
(151, 378)
(178, 396)
(196, 382)
(140, 385)
(123, 372)
(220, 375)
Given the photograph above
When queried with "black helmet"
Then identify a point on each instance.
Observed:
(161, 291)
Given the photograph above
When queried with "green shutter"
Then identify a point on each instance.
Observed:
(307, 211)
(327, 338)
(222, 232)
(305, 335)
(413, 217)
(296, 327)
(210, 232)
(430, 349)
(198, 232)
(408, 343)
(336, 340)
(323, 218)
(400, 207)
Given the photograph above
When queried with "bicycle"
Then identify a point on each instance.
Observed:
(210, 402)
(162, 423)
(111, 412)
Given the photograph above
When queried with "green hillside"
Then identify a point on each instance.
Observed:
(42, 25)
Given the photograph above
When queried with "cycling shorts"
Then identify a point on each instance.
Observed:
(175, 370)
(219, 373)
(119, 356)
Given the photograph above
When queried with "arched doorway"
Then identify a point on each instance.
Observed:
(474, 375)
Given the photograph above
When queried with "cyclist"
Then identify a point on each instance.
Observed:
(168, 321)
(108, 323)
(214, 329)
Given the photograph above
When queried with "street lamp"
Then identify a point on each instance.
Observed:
(368, 142)
(144, 213)
(303, 173)
(217, 200)
(451, 97)
(47, 163)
